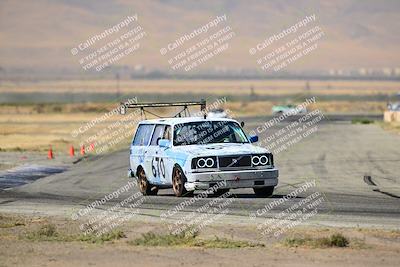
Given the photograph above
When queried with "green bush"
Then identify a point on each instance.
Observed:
(109, 236)
(338, 240)
(188, 239)
(49, 232)
(335, 240)
(361, 121)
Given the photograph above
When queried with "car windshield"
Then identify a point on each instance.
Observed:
(208, 132)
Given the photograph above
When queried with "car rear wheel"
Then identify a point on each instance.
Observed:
(264, 191)
(178, 183)
(145, 187)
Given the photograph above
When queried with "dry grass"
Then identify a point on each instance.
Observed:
(35, 132)
(36, 126)
(393, 127)
(189, 239)
(29, 130)
(60, 245)
(356, 107)
(349, 107)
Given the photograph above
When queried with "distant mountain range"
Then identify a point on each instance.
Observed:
(39, 35)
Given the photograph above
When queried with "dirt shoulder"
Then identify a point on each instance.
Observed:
(56, 241)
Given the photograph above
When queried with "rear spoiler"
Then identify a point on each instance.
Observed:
(185, 111)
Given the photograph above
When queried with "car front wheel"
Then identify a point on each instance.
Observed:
(178, 183)
(264, 191)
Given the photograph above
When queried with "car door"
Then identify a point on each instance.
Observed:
(167, 160)
(139, 144)
(155, 170)
(158, 163)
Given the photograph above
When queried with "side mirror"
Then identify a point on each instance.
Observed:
(254, 139)
(164, 143)
(242, 124)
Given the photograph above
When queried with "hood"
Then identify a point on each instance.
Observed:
(221, 149)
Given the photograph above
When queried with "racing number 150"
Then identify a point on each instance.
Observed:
(157, 167)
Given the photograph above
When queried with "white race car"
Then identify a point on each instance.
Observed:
(217, 113)
(289, 110)
(197, 153)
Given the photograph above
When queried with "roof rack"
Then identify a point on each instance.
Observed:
(185, 111)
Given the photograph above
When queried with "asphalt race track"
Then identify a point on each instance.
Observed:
(355, 167)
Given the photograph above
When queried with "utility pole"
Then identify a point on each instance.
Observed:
(253, 95)
(118, 94)
(308, 87)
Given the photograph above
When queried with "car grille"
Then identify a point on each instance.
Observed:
(232, 162)
(242, 162)
(236, 162)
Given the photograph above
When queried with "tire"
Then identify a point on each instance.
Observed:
(178, 183)
(145, 187)
(264, 191)
(220, 192)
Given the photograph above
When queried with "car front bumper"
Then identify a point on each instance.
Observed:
(232, 179)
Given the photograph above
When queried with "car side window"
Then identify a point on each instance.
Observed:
(167, 133)
(157, 135)
(142, 136)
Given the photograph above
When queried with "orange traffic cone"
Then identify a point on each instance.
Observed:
(82, 150)
(50, 153)
(91, 148)
(71, 151)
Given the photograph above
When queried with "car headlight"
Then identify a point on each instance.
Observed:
(261, 160)
(204, 163)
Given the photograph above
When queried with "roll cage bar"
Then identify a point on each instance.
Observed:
(183, 113)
